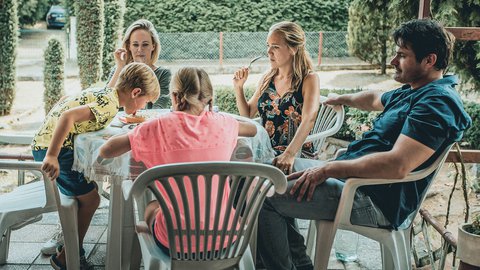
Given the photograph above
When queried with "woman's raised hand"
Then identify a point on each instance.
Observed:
(240, 77)
(120, 56)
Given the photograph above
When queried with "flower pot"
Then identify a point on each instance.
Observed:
(468, 246)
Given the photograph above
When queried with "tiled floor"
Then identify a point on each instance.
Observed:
(25, 244)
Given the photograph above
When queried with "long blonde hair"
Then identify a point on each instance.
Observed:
(147, 26)
(192, 88)
(302, 63)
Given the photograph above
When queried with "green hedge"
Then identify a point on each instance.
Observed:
(90, 40)
(225, 98)
(8, 52)
(472, 136)
(53, 74)
(112, 29)
(238, 15)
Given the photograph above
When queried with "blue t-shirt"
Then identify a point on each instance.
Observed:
(432, 115)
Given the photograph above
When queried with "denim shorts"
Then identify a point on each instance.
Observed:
(70, 183)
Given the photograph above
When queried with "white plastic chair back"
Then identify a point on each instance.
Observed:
(25, 204)
(329, 121)
(249, 184)
(395, 244)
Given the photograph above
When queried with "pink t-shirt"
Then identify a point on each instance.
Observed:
(181, 137)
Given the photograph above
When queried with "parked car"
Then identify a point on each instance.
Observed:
(56, 17)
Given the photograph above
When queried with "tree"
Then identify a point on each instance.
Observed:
(90, 40)
(114, 10)
(466, 54)
(369, 29)
(53, 74)
(8, 52)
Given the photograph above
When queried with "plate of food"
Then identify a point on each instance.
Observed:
(132, 118)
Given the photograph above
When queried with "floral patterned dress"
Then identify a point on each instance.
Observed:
(281, 116)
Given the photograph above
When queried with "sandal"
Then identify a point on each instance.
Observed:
(56, 264)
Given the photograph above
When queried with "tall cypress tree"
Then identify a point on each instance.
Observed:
(114, 10)
(8, 53)
(369, 29)
(90, 40)
(53, 74)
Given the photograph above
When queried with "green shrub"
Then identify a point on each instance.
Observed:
(472, 136)
(90, 40)
(113, 27)
(8, 52)
(225, 98)
(238, 16)
(53, 74)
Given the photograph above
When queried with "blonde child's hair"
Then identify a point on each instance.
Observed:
(147, 26)
(192, 87)
(302, 63)
(139, 75)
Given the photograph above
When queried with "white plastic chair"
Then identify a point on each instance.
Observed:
(25, 204)
(395, 244)
(258, 181)
(329, 121)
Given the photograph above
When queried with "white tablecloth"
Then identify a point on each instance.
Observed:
(87, 146)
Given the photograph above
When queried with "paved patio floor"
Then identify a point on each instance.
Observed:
(25, 244)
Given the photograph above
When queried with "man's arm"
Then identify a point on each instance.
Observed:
(369, 100)
(406, 155)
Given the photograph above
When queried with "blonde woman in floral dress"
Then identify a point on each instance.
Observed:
(287, 99)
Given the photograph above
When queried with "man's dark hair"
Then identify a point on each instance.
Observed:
(425, 37)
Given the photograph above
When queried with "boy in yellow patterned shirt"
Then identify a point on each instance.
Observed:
(90, 110)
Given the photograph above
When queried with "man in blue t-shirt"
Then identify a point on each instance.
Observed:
(417, 122)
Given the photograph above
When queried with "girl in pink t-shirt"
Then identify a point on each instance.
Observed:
(188, 134)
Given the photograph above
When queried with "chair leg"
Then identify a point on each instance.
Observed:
(325, 235)
(246, 262)
(4, 245)
(311, 235)
(396, 252)
(69, 220)
(136, 258)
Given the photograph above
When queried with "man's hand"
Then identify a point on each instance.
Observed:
(307, 180)
(333, 99)
(51, 167)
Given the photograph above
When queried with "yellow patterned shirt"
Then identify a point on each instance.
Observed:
(103, 103)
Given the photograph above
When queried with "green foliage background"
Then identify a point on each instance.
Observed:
(114, 10)
(466, 56)
(237, 15)
(53, 73)
(369, 28)
(8, 52)
(90, 40)
(472, 135)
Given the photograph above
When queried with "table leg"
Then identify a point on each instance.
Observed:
(115, 220)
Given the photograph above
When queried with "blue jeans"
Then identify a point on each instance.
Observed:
(69, 182)
(273, 222)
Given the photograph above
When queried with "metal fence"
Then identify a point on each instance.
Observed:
(235, 45)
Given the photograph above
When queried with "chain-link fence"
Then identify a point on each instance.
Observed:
(237, 45)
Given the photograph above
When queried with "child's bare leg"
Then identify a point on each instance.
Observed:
(87, 205)
(151, 212)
